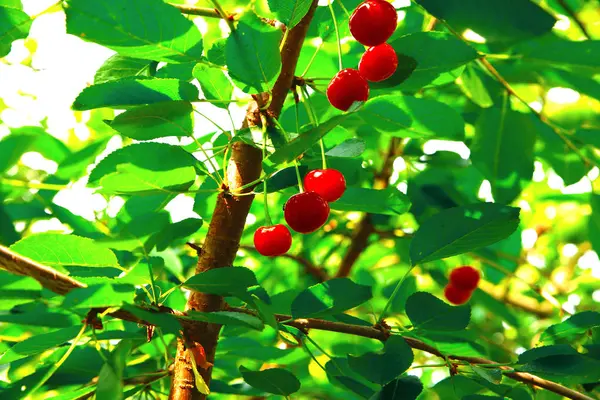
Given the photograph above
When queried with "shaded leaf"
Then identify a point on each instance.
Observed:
(329, 298)
(97, 296)
(227, 318)
(214, 84)
(39, 343)
(155, 121)
(384, 366)
(427, 312)
(389, 201)
(405, 388)
(223, 281)
(274, 380)
(118, 66)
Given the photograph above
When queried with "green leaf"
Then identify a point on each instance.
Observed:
(560, 363)
(54, 249)
(462, 229)
(503, 150)
(228, 318)
(496, 21)
(303, 142)
(329, 298)
(427, 312)
(388, 201)
(546, 351)
(405, 388)
(285, 178)
(471, 83)
(594, 222)
(148, 29)
(492, 375)
(214, 84)
(434, 52)
(110, 379)
(134, 169)
(290, 12)
(75, 165)
(222, 281)
(385, 366)
(168, 323)
(406, 116)
(14, 24)
(155, 121)
(41, 317)
(582, 56)
(97, 296)
(134, 91)
(353, 147)
(252, 54)
(12, 147)
(39, 343)
(572, 327)
(118, 67)
(274, 380)
(177, 231)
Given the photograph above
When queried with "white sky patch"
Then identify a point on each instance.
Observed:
(550, 212)
(81, 200)
(528, 238)
(589, 260)
(401, 3)
(562, 23)
(49, 225)
(569, 250)
(35, 160)
(537, 260)
(560, 95)
(536, 105)
(473, 36)
(181, 207)
(485, 191)
(538, 171)
(445, 145)
(596, 296)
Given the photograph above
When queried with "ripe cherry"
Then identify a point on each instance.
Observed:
(347, 87)
(272, 240)
(465, 277)
(373, 22)
(328, 183)
(456, 295)
(306, 212)
(378, 63)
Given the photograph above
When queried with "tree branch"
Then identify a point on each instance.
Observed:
(228, 220)
(201, 11)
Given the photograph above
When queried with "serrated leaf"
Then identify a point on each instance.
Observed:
(14, 24)
(148, 29)
(572, 327)
(222, 281)
(54, 249)
(274, 380)
(502, 150)
(462, 229)
(134, 91)
(492, 375)
(252, 54)
(110, 378)
(427, 312)
(155, 121)
(329, 298)
(406, 116)
(118, 67)
(134, 169)
(353, 147)
(389, 201)
(384, 366)
(39, 343)
(290, 12)
(214, 84)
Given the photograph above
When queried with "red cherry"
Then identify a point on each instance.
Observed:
(457, 295)
(328, 183)
(465, 278)
(378, 63)
(373, 22)
(306, 212)
(346, 87)
(272, 240)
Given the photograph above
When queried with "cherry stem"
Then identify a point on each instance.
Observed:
(314, 120)
(300, 187)
(337, 34)
(394, 295)
(263, 121)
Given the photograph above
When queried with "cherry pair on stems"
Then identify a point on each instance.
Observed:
(304, 212)
(462, 283)
(371, 24)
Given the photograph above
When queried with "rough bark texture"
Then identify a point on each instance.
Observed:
(227, 224)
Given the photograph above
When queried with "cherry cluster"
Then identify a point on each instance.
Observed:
(304, 212)
(371, 24)
(463, 282)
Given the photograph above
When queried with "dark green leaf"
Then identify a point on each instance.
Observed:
(350, 148)
(228, 318)
(110, 379)
(572, 327)
(273, 380)
(329, 298)
(406, 116)
(14, 24)
(497, 21)
(389, 201)
(214, 84)
(462, 229)
(594, 222)
(427, 312)
(252, 54)
(581, 56)
(134, 169)
(492, 375)
(546, 351)
(222, 281)
(54, 249)
(177, 231)
(39, 343)
(148, 29)
(168, 323)
(134, 91)
(290, 12)
(118, 66)
(502, 150)
(155, 121)
(385, 366)
(75, 165)
(285, 178)
(12, 148)
(405, 388)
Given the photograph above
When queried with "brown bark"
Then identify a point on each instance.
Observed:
(227, 224)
